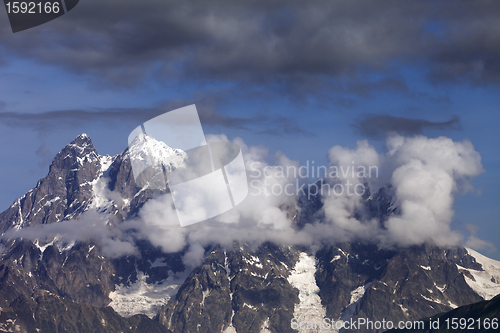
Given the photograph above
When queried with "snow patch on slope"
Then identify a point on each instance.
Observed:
(253, 261)
(60, 243)
(356, 295)
(438, 301)
(42, 248)
(106, 162)
(302, 278)
(265, 326)
(229, 329)
(101, 200)
(487, 282)
(141, 297)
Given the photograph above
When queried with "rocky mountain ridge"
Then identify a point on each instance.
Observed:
(71, 286)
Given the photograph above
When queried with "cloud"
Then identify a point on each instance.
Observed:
(478, 244)
(258, 219)
(343, 200)
(287, 42)
(426, 178)
(379, 126)
(423, 175)
(90, 226)
(47, 122)
(475, 242)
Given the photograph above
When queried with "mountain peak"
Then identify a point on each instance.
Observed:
(82, 140)
(76, 153)
(146, 148)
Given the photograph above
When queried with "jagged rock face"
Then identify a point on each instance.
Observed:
(122, 181)
(477, 315)
(402, 284)
(344, 268)
(239, 288)
(68, 287)
(43, 311)
(122, 177)
(65, 192)
(126, 268)
(65, 290)
(80, 274)
(422, 280)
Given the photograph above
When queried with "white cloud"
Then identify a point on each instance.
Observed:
(90, 226)
(425, 181)
(475, 242)
(425, 175)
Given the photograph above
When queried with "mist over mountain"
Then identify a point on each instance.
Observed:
(87, 249)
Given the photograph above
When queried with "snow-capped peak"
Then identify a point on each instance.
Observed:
(81, 141)
(485, 283)
(148, 151)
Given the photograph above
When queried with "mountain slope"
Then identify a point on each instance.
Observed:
(485, 281)
(237, 289)
(482, 317)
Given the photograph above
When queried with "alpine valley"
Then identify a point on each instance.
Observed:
(78, 284)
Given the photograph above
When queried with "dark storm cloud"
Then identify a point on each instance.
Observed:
(378, 126)
(49, 121)
(287, 42)
(206, 106)
(283, 126)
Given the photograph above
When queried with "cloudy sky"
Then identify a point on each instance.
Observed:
(296, 76)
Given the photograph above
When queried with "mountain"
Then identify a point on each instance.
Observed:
(69, 281)
(482, 317)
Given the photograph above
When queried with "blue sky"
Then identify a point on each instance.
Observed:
(292, 76)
